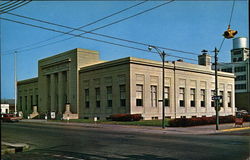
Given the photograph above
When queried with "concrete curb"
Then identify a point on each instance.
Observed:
(196, 130)
(8, 148)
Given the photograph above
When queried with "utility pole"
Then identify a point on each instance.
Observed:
(15, 82)
(163, 89)
(216, 99)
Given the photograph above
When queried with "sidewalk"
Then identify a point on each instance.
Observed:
(205, 129)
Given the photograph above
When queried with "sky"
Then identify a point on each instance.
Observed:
(183, 25)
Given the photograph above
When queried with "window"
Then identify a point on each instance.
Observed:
(122, 95)
(230, 70)
(240, 69)
(109, 96)
(221, 100)
(237, 52)
(97, 97)
(154, 96)
(26, 105)
(21, 102)
(240, 78)
(239, 59)
(235, 59)
(37, 100)
(166, 96)
(182, 97)
(86, 91)
(229, 100)
(240, 86)
(139, 95)
(192, 97)
(31, 101)
(203, 97)
(212, 101)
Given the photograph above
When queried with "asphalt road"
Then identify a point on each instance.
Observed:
(52, 142)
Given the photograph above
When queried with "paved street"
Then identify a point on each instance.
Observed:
(80, 143)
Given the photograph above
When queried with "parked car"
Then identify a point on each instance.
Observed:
(10, 118)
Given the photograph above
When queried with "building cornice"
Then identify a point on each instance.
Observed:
(56, 63)
(27, 81)
(168, 65)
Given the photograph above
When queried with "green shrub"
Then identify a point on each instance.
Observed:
(184, 122)
(246, 118)
(125, 117)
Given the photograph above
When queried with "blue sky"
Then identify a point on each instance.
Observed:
(183, 25)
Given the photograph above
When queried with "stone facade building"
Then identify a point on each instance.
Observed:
(77, 84)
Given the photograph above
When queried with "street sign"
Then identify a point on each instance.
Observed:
(216, 97)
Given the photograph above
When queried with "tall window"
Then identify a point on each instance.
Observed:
(154, 96)
(221, 100)
(182, 97)
(26, 105)
(192, 97)
(229, 101)
(139, 95)
(98, 97)
(122, 95)
(167, 96)
(212, 101)
(202, 97)
(31, 101)
(109, 96)
(37, 100)
(86, 91)
(21, 103)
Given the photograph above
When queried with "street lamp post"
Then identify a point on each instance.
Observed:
(162, 55)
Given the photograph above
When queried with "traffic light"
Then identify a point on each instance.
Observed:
(229, 33)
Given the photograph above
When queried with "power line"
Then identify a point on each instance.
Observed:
(73, 29)
(229, 23)
(98, 34)
(11, 8)
(118, 21)
(94, 39)
(7, 4)
(231, 13)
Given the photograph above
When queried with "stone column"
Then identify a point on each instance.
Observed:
(47, 93)
(52, 92)
(60, 92)
(68, 87)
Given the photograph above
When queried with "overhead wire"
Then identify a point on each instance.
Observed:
(229, 23)
(4, 6)
(73, 29)
(98, 34)
(94, 39)
(5, 3)
(118, 21)
(11, 8)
